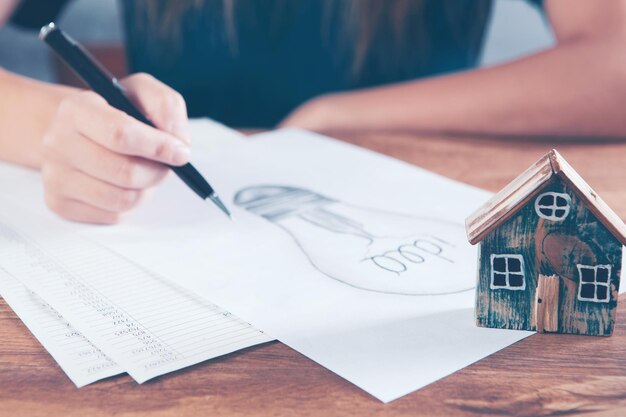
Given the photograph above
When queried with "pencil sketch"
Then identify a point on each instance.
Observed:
(366, 248)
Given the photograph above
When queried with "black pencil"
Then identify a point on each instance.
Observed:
(100, 80)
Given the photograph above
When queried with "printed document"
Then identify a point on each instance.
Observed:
(356, 260)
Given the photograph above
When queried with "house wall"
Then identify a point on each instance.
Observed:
(549, 248)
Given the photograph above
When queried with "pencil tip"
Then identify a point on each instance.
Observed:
(216, 200)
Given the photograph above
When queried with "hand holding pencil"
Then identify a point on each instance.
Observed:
(130, 134)
(98, 162)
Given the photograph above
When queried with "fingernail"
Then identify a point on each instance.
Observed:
(181, 155)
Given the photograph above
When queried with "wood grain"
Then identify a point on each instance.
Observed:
(547, 305)
(508, 200)
(550, 248)
(527, 185)
(592, 200)
(544, 375)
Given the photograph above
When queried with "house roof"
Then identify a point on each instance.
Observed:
(522, 189)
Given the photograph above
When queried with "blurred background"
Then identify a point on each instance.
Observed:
(516, 29)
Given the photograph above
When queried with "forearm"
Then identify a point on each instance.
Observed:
(26, 110)
(575, 89)
(6, 8)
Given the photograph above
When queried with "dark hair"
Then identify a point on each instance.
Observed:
(392, 33)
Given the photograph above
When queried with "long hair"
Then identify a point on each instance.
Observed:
(382, 31)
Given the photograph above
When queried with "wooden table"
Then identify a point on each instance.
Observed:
(539, 376)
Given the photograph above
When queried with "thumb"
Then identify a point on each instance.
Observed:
(164, 106)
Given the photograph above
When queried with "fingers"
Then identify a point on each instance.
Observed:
(94, 119)
(70, 185)
(124, 171)
(81, 212)
(99, 162)
(164, 106)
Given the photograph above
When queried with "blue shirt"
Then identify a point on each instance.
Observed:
(274, 68)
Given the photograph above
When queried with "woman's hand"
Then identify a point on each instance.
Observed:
(98, 162)
(321, 114)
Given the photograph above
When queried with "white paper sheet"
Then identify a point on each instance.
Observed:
(356, 260)
(208, 134)
(146, 325)
(83, 362)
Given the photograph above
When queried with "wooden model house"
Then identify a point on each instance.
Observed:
(550, 254)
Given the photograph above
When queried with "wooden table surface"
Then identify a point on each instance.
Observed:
(539, 376)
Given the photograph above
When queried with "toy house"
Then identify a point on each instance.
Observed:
(550, 254)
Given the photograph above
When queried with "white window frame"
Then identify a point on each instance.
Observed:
(507, 273)
(553, 207)
(606, 284)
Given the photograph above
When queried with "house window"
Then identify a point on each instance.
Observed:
(553, 206)
(594, 283)
(507, 272)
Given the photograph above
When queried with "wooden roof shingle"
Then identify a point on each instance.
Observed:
(522, 189)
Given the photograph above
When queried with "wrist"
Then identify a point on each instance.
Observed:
(27, 108)
(322, 114)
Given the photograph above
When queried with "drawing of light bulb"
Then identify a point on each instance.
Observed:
(367, 248)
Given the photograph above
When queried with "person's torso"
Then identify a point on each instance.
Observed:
(256, 77)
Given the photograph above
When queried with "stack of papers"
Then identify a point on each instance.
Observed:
(110, 316)
(81, 360)
(136, 322)
(356, 260)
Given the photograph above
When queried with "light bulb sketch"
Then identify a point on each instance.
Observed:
(367, 248)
